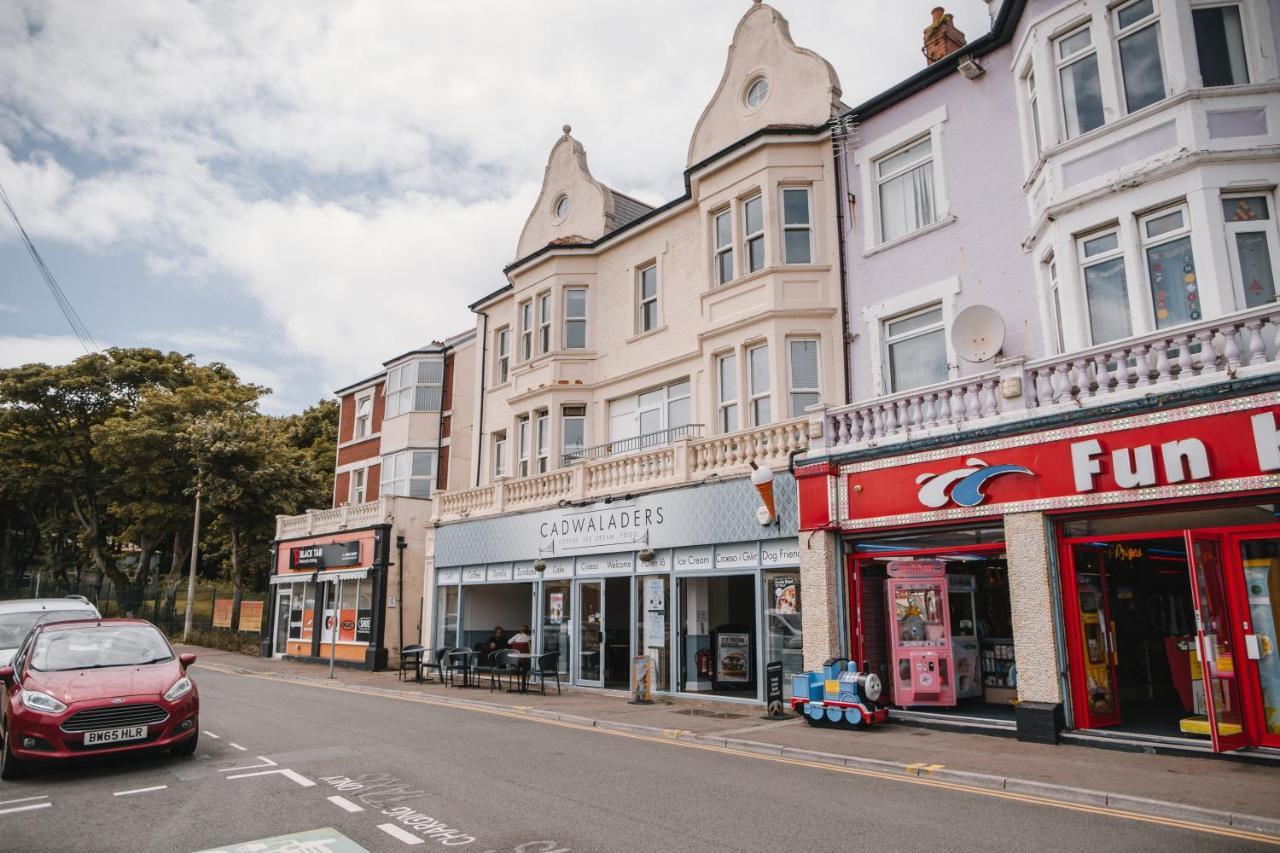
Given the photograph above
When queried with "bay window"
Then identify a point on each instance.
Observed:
(1170, 265)
(753, 233)
(414, 387)
(1219, 34)
(1253, 245)
(905, 189)
(1105, 287)
(1033, 109)
(797, 223)
(575, 318)
(410, 473)
(542, 433)
(722, 233)
(1077, 60)
(1141, 68)
(526, 330)
(648, 291)
(916, 349)
(544, 323)
(522, 445)
(802, 358)
(727, 390)
(500, 454)
(1055, 304)
(759, 408)
(503, 365)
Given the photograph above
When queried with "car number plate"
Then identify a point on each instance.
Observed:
(115, 735)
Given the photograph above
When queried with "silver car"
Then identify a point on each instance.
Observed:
(17, 618)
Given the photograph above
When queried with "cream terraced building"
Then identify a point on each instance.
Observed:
(635, 365)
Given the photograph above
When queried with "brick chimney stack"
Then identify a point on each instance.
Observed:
(941, 36)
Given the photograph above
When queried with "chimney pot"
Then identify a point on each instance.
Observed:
(941, 37)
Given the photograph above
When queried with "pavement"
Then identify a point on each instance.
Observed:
(365, 762)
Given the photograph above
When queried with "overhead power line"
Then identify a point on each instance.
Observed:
(68, 311)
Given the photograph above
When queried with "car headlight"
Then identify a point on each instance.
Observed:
(43, 702)
(180, 688)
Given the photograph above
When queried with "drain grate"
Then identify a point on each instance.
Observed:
(717, 715)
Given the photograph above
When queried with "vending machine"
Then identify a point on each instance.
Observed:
(964, 635)
(923, 668)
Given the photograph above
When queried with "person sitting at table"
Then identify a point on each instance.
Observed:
(498, 640)
(521, 641)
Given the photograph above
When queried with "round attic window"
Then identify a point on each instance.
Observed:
(561, 207)
(757, 91)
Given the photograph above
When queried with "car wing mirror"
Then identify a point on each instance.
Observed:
(186, 659)
(6, 676)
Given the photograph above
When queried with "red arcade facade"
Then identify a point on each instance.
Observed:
(1107, 574)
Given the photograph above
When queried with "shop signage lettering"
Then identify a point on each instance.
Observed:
(561, 568)
(1218, 448)
(323, 556)
(605, 564)
(693, 559)
(473, 574)
(738, 555)
(780, 552)
(447, 577)
(500, 573)
(592, 528)
(524, 572)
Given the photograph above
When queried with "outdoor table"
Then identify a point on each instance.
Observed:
(466, 654)
(415, 655)
(521, 672)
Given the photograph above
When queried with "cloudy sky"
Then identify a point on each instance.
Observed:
(304, 189)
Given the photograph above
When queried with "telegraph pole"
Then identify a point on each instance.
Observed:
(191, 580)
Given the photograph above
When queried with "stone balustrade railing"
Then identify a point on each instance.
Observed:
(683, 460)
(1232, 347)
(317, 522)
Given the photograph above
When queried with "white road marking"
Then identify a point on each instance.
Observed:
(139, 790)
(344, 803)
(283, 771)
(238, 746)
(26, 808)
(396, 832)
(24, 800)
(211, 734)
(266, 762)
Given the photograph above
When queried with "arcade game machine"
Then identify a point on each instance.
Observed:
(920, 634)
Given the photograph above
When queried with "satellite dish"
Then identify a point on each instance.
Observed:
(977, 333)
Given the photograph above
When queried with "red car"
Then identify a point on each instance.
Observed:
(95, 687)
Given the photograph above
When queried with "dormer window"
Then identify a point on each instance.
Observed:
(757, 92)
(561, 207)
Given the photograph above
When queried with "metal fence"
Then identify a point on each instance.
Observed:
(638, 442)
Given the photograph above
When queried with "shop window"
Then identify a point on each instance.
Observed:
(297, 606)
(575, 318)
(364, 611)
(1141, 66)
(409, 473)
(783, 639)
(905, 190)
(1077, 60)
(414, 387)
(500, 454)
(556, 614)
(447, 600)
(916, 349)
(647, 284)
(1105, 288)
(522, 445)
(544, 323)
(364, 416)
(502, 366)
(1220, 49)
(542, 433)
(1171, 267)
(307, 617)
(803, 372)
(526, 330)
(758, 384)
(653, 634)
(753, 233)
(797, 226)
(722, 232)
(1254, 248)
(573, 431)
(727, 392)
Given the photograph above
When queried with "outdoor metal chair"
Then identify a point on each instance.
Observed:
(462, 662)
(436, 662)
(411, 656)
(546, 666)
(496, 665)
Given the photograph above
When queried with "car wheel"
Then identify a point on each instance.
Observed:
(11, 767)
(187, 747)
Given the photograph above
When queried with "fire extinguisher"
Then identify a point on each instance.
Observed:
(703, 659)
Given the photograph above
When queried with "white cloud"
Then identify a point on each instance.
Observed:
(363, 170)
(16, 350)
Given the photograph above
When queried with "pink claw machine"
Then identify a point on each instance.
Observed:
(920, 633)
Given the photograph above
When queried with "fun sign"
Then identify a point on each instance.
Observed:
(1212, 448)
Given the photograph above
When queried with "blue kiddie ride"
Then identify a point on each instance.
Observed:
(838, 692)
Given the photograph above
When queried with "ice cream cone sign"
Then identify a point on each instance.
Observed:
(762, 479)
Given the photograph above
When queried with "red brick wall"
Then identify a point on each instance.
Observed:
(379, 408)
(341, 488)
(373, 482)
(346, 418)
(367, 449)
(446, 393)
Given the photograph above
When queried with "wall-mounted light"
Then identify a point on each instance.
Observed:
(970, 68)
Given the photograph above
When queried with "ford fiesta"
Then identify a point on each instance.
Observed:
(95, 687)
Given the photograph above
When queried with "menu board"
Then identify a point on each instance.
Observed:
(733, 657)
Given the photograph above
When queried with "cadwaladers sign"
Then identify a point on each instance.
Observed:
(323, 556)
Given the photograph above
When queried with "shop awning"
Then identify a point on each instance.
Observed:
(321, 577)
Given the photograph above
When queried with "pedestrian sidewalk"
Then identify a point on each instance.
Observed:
(1196, 789)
